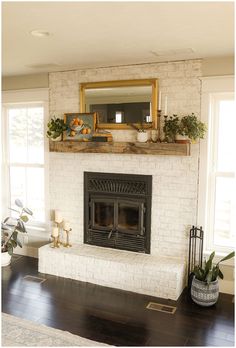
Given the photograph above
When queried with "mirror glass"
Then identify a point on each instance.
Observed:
(120, 105)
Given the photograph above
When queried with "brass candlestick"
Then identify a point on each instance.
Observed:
(54, 242)
(59, 242)
(159, 123)
(67, 244)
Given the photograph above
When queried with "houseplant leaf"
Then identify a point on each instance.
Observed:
(28, 211)
(227, 257)
(21, 226)
(209, 277)
(221, 274)
(19, 203)
(24, 218)
(19, 243)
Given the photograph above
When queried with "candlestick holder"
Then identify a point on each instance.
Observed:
(67, 244)
(159, 123)
(59, 242)
(54, 242)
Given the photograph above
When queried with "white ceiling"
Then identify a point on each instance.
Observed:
(93, 34)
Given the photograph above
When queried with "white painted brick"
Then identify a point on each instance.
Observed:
(146, 274)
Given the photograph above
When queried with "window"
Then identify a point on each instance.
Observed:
(119, 115)
(24, 144)
(218, 172)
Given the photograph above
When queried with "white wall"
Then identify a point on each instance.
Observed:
(24, 81)
(218, 66)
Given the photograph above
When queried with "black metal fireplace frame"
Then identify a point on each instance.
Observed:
(139, 189)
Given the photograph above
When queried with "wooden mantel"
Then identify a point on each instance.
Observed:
(170, 149)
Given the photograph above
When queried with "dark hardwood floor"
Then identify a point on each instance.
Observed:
(112, 316)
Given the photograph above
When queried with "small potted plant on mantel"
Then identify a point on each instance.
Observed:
(171, 128)
(142, 134)
(56, 127)
(184, 130)
(10, 228)
(190, 129)
(205, 286)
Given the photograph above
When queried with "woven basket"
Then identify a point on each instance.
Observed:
(203, 294)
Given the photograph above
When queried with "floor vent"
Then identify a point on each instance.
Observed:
(161, 307)
(34, 279)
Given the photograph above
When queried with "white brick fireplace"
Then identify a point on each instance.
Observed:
(174, 178)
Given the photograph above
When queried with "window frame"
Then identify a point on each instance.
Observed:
(21, 98)
(213, 90)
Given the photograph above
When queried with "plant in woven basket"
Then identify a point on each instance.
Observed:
(205, 284)
(210, 272)
(10, 228)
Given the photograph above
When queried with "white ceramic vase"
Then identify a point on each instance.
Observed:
(5, 259)
(182, 139)
(142, 137)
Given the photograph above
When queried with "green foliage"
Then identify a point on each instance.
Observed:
(211, 272)
(171, 127)
(188, 126)
(10, 228)
(56, 127)
(192, 127)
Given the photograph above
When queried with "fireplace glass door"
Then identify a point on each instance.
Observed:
(102, 214)
(117, 215)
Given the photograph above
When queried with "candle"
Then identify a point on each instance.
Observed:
(159, 101)
(66, 225)
(58, 217)
(55, 232)
(165, 113)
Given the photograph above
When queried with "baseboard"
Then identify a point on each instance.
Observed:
(27, 251)
(226, 286)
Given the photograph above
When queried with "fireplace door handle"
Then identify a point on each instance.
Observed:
(110, 234)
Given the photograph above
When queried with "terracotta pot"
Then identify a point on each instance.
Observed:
(142, 137)
(5, 259)
(203, 294)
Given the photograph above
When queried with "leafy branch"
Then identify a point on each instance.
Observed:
(10, 228)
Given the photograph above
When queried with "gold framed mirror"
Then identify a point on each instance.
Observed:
(121, 104)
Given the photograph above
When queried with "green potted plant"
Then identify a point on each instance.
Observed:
(190, 126)
(10, 228)
(205, 286)
(171, 128)
(56, 127)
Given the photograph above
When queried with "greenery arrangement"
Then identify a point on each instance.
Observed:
(189, 126)
(171, 127)
(10, 228)
(192, 127)
(56, 127)
(210, 272)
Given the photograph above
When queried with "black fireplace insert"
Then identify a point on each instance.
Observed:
(117, 211)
